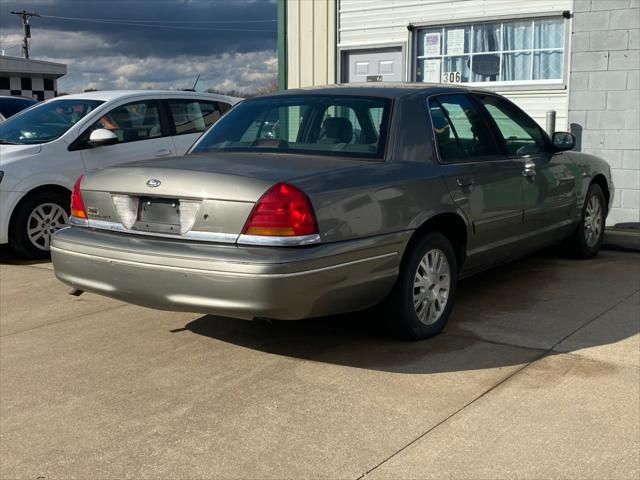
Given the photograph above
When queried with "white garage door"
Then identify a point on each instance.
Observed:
(381, 65)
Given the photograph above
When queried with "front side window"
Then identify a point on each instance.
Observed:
(461, 133)
(521, 134)
(505, 51)
(350, 126)
(130, 122)
(45, 122)
(193, 116)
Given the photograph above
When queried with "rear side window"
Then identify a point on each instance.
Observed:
(193, 116)
(131, 122)
(521, 133)
(461, 133)
(352, 126)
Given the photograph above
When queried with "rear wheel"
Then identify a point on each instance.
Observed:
(422, 299)
(35, 222)
(587, 238)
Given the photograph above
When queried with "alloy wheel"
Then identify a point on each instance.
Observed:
(43, 222)
(593, 221)
(431, 286)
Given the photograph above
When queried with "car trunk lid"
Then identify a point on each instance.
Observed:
(200, 197)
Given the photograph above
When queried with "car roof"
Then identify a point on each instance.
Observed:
(108, 95)
(378, 89)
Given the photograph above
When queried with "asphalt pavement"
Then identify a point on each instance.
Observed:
(536, 376)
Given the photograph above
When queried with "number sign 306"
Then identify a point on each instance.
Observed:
(451, 77)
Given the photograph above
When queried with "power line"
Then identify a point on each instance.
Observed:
(136, 23)
(158, 21)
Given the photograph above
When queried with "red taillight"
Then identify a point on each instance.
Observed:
(77, 205)
(282, 211)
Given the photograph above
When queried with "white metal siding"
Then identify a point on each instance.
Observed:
(363, 23)
(537, 103)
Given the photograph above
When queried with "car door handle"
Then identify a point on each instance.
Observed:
(163, 153)
(529, 171)
(465, 183)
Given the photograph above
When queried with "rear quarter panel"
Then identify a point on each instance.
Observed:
(587, 168)
(376, 198)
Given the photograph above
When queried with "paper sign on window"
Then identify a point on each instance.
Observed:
(455, 41)
(432, 70)
(432, 44)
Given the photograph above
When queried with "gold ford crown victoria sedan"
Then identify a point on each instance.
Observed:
(320, 201)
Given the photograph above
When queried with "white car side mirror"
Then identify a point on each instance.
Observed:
(102, 136)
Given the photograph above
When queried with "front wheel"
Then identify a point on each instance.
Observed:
(587, 238)
(35, 222)
(422, 299)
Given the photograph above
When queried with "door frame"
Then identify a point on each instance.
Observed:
(342, 68)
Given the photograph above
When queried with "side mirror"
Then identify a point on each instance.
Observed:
(563, 140)
(102, 136)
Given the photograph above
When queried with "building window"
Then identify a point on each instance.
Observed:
(5, 83)
(48, 84)
(507, 51)
(25, 83)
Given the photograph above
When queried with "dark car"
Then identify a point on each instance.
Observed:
(11, 105)
(320, 201)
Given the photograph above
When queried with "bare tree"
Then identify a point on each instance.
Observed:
(270, 87)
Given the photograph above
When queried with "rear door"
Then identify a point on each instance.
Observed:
(191, 117)
(548, 178)
(483, 182)
(141, 133)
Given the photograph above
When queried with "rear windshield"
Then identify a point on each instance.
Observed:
(315, 124)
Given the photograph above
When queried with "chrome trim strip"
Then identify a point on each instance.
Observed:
(192, 235)
(221, 272)
(78, 222)
(273, 241)
(264, 241)
(211, 236)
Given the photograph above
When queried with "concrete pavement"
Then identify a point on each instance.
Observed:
(537, 376)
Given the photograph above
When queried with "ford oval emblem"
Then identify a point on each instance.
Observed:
(153, 182)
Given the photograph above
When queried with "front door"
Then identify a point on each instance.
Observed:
(483, 183)
(377, 65)
(548, 178)
(140, 135)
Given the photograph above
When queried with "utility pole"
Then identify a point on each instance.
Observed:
(27, 29)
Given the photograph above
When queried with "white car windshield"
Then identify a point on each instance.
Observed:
(44, 122)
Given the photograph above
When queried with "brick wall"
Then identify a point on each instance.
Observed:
(604, 95)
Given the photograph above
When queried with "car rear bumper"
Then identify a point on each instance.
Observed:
(230, 280)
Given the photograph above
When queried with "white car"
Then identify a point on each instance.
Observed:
(45, 148)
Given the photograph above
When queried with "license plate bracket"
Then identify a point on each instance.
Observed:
(158, 215)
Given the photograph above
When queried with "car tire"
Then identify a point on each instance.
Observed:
(35, 221)
(587, 238)
(415, 310)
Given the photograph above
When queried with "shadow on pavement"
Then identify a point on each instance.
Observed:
(544, 293)
(9, 257)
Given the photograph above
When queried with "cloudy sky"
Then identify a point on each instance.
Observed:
(150, 43)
